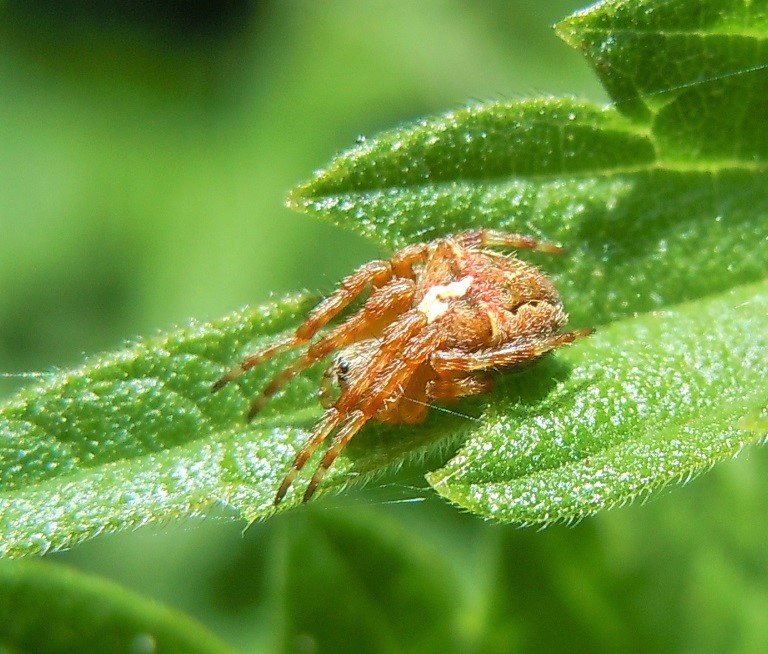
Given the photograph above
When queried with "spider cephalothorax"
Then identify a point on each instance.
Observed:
(440, 316)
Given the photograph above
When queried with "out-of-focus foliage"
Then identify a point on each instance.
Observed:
(47, 608)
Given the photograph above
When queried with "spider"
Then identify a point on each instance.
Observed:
(440, 317)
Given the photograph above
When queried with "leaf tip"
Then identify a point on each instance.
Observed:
(297, 198)
(757, 425)
(569, 28)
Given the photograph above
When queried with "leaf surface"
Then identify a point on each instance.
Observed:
(661, 203)
(647, 401)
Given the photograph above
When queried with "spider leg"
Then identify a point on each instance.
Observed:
(251, 361)
(451, 389)
(402, 261)
(450, 363)
(402, 367)
(376, 273)
(354, 422)
(393, 339)
(482, 237)
(325, 391)
(413, 407)
(394, 343)
(327, 424)
(393, 298)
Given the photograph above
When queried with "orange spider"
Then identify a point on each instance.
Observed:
(440, 316)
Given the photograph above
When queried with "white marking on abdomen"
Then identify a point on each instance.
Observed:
(434, 305)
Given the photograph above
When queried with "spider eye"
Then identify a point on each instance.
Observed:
(343, 367)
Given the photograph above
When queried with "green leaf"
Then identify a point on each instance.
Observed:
(694, 71)
(136, 436)
(582, 176)
(648, 401)
(661, 203)
(660, 199)
(46, 608)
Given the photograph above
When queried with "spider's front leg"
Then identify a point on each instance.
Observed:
(450, 363)
(453, 389)
(327, 424)
(391, 299)
(351, 412)
(403, 347)
(522, 335)
(494, 237)
(394, 376)
(351, 426)
(375, 273)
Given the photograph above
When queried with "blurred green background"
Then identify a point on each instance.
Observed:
(145, 153)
